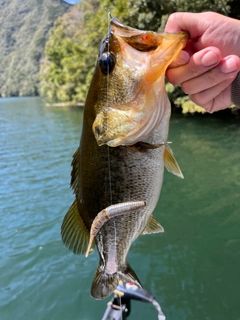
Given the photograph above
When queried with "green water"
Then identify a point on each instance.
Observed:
(193, 269)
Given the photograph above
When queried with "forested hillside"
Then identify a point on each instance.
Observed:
(24, 27)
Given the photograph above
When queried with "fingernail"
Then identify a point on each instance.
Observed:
(209, 59)
(229, 65)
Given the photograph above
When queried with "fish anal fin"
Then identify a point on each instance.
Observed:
(75, 171)
(171, 163)
(74, 232)
(153, 226)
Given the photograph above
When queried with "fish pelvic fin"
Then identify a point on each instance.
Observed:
(104, 284)
(74, 232)
(171, 163)
(153, 226)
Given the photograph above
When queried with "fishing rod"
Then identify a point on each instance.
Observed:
(120, 306)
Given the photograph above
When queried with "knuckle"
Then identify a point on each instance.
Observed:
(170, 74)
(212, 76)
(184, 87)
(199, 99)
(193, 70)
(173, 17)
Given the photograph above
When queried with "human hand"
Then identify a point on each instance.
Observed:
(210, 61)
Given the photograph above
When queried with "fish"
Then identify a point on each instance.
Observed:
(117, 170)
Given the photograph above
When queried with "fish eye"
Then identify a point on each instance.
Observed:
(107, 63)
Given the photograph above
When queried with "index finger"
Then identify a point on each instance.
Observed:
(182, 58)
(198, 64)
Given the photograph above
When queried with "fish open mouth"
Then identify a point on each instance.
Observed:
(136, 72)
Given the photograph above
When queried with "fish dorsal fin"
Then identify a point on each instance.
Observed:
(153, 226)
(171, 163)
(75, 171)
(75, 234)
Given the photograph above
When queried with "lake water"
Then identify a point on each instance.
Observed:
(193, 269)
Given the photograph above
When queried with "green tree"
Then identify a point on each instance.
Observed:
(234, 9)
(71, 51)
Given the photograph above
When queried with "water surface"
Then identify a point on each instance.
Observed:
(192, 269)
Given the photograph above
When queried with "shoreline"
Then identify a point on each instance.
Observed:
(65, 104)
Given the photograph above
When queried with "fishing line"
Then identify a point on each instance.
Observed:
(108, 148)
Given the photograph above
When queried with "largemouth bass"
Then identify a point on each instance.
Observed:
(117, 171)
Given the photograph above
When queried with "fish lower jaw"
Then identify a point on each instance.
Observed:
(102, 139)
(111, 143)
(115, 143)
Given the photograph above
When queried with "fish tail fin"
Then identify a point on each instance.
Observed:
(128, 275)
(104, 283)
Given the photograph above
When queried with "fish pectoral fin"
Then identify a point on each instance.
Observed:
(104, 283)
(153, 226)
(109, 213)
(75, 171)
(75, 234)
(171, 163)
(145, 145)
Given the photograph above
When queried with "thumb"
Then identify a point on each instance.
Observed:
(187, 21)
(182, 58)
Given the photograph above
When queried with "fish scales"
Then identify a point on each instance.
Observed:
(117, 171)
